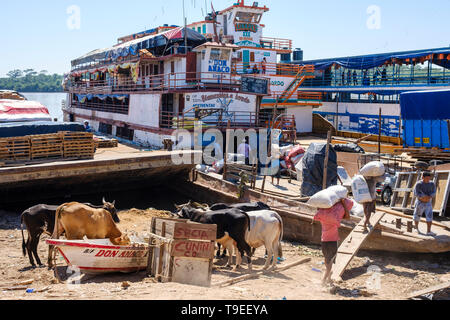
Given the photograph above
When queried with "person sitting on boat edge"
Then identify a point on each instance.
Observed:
(331, 221)
(425, 191)
(87, 127)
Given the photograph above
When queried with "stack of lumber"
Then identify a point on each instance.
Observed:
(15, 149)
(46, 146)
(423, 154)
(78, 145)
(106, 143)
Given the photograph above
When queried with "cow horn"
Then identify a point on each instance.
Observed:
(114, 203)
(104, 201)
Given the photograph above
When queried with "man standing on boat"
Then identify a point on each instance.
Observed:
(263, 65)
(424, 191)
(245, 150)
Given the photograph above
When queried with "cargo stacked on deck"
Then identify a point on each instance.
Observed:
(16, 149)
(46, 146)
(62, 145)
(78, 145)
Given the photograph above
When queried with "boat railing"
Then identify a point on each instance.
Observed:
(280, 69)
(379, 79)
(276, 43)
(122, 108)
(189, 81)
(213, 118)
(300, 95)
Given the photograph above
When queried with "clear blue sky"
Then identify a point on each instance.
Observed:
(34, 34)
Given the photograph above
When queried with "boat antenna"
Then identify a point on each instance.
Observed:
(185, 29)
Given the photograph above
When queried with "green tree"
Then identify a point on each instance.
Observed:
(15, 74)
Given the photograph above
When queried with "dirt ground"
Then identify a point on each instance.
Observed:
(395, 275)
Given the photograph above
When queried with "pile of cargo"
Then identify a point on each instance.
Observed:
(61, 145)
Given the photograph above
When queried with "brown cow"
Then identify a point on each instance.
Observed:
(77, 221)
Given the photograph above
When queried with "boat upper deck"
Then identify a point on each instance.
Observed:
(410, 70)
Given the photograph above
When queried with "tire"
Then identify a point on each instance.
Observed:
(386, 196)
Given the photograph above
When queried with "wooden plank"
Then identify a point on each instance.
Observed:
(257, 274)
(429, 290)
(352, 244)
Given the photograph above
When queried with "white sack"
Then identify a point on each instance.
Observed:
(373, 169)
(360, 190)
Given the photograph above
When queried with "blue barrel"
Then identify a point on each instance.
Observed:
(298, 55)
(285, 57)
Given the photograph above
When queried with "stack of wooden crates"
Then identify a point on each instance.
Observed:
(78, 145)
(181, 251)
(73, 145)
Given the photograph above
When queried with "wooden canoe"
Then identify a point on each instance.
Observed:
(300, 226)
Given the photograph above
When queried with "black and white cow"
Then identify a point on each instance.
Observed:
(232, 226)
(266, 228)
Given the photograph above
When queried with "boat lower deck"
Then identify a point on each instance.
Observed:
(111, 169)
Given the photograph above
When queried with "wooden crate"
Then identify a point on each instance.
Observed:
(78, 145)
(15, 149)
(46, 146)
(181, 251)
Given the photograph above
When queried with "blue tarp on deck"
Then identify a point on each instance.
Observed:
(440, 57)
(425, 105)
(21, 129)
(424, 115)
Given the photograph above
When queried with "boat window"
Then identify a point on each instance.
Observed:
(244, 17)
(225, 55)
(215, 54)
(248, 17)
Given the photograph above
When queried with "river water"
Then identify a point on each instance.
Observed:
(51, 100)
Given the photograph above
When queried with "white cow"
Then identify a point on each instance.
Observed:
(266, 229)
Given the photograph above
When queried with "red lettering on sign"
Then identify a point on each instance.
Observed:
(100, 253)
(191, 234)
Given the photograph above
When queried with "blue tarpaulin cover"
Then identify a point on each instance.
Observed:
(377, 60)
(149, 42)
(425, 105)
(424, 116)
(21, 129)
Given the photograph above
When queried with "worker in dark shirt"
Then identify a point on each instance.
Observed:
(424, 191)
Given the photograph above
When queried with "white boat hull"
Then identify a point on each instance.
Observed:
(100, 256)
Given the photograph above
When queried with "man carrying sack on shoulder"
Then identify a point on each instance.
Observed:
(424, 191)
(331, 221)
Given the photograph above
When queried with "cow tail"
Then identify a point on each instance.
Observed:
(280, 248)
(23, 237)
(57, 214)
(282, 228)
(248, 219)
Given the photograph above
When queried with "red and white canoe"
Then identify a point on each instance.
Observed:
(101, 256)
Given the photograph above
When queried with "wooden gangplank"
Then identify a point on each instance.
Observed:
(433, 289)
(351, 245)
